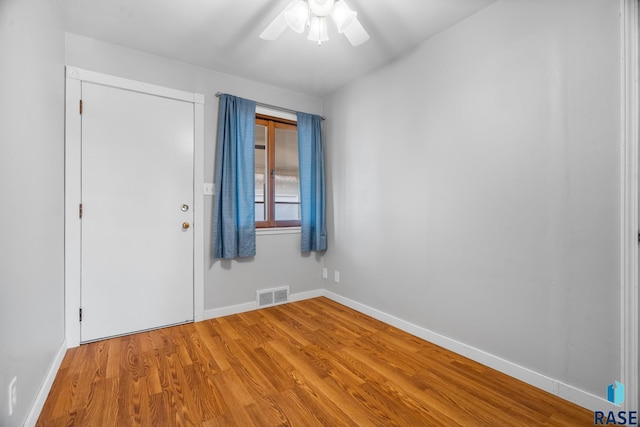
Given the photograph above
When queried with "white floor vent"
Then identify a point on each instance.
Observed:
(268, 297)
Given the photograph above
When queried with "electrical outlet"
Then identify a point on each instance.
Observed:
(325, 273)
(336, 276)
(13, 394)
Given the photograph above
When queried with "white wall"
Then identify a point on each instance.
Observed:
(32, 194)
(278, 260)
(474, 187)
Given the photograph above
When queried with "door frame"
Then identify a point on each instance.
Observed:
(73, 164)
(629, 134)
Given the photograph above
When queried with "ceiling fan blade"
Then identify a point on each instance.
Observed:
(274, 29)
(277, 26)
(356, 33)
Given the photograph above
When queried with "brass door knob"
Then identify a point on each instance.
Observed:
(185, 225)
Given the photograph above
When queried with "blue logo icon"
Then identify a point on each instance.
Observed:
(615, 393)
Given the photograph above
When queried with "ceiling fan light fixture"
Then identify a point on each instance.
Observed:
(343, 16)
(300, 14)
(321, 7)
(318, 30)
(297, 16)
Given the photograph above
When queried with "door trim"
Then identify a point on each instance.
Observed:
(629, 124)
(73, 164)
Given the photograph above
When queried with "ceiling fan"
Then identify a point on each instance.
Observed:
(300, 14)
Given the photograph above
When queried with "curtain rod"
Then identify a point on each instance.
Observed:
(275, 107)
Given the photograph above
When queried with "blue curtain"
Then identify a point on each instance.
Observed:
(234, 213)
(312, 196)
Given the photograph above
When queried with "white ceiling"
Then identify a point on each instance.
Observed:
(222, 35)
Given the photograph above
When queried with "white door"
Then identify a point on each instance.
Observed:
(137, 203)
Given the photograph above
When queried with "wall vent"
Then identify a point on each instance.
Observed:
(269, 297)
(265, 298)
(280, 296)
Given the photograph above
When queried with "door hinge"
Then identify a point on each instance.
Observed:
(80, 315)
(80, 211)
(81, 107)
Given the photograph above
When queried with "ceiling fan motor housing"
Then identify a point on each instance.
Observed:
(321, 7)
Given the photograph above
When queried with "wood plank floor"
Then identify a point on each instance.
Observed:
(308, 363)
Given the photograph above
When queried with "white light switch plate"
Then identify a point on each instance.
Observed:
(209, 189)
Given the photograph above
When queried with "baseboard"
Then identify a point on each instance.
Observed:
(249, 306)
(553, 386)
(38, 404)
(229, 310)
(301, 296)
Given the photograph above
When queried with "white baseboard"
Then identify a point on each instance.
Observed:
(229, 310)
(553, 386)
(248, 306)
(38, 404)
(301, 296)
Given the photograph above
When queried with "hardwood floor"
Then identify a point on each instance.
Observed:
(309, 363)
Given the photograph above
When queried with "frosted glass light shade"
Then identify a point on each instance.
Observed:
(297, 16)
(318, 29)
(343, 16)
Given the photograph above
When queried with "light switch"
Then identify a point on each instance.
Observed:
(209, 189)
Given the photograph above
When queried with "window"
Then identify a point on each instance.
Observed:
(277, 198)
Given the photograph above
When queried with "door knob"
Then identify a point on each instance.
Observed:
(184, 208)
(185, 225)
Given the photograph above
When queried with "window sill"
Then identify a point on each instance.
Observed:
(277, 230)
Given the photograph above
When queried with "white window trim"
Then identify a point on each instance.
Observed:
(277, 230)
(260, 109)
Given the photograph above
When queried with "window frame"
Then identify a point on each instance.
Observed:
(272, 123)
